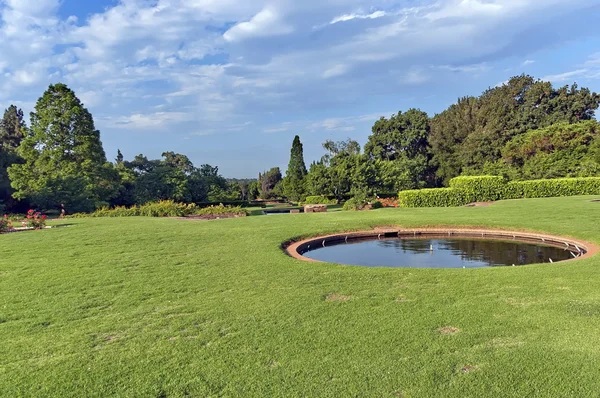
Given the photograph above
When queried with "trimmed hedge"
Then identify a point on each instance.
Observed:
(433, 197)
(164, 208)
(558, 187)
(319, 200)
(480, 188)
(464, 191)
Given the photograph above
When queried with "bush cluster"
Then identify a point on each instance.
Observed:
(319, 200)
(5, 224)
(220, 209)
(433, 197)
(164, 208)
(354, 204)
(468, 189)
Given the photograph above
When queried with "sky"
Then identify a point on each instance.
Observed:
(231, 82)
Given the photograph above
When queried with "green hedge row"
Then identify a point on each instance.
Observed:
(467, 189)
(319, 200)
(433, 197)
(480, 188)
(165, 208)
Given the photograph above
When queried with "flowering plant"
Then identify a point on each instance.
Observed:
(35, 219)
(5, 224)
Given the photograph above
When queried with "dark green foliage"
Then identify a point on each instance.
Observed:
(180, 162)
(377, 204)
(433, 197)
(268, 182)
(12, 129)
(162, 183)
(356, 203)
(561, 150)
(63, 159)
(403, 139)
(293, 183)
(480, 188)
(473, 132)
(119, 159)
(402, 135)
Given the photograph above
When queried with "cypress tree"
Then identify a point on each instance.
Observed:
(294, 178)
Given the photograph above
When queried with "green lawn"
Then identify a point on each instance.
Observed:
(143, 307)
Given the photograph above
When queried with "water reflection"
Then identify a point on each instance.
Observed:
(438, 253)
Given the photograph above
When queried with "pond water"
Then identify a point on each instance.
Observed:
(437, 253)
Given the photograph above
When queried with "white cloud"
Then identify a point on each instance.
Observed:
(528, 62)
(566, 76)
(334, 71)
(267, 22)
(152, 120)
(349, 17)
(149, 64)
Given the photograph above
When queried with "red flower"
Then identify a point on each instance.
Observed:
(44, 217)
(29, 216)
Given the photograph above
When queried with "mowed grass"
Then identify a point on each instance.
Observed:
(140, 307)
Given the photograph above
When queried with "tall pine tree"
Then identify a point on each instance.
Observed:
(12, 130)
(293, 184)
(64, 162)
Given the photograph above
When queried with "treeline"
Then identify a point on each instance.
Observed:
(59, 161)
(524, 129)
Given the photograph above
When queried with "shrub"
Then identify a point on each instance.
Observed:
(558, 187)
(433, 197)
(480, 188)
(443, 197)
(354, 204)
(164, 208)
(5, 224)
(319, 200)
(221, 209)
(376, 205)
(35, 219)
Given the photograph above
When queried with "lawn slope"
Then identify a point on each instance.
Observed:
(140, 307)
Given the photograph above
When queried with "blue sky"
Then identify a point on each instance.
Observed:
(230, 82)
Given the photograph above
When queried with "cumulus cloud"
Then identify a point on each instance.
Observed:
(210, 65)
(268, 22)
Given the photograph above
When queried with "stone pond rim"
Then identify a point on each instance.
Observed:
(295, 248)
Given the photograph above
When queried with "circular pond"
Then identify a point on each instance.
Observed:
(434, 249)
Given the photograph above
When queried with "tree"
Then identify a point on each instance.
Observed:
(402, 135)
(179, 161)
(404, 140)
(561, 150)
(12, 129)
(268, 181)
(293, 184)
(119, 159)
(448, 130)
(473, 132)
(64, 161)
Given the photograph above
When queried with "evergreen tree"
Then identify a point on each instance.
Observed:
(64, 161)
(12, 129)
(119, 159)
(293, 185)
